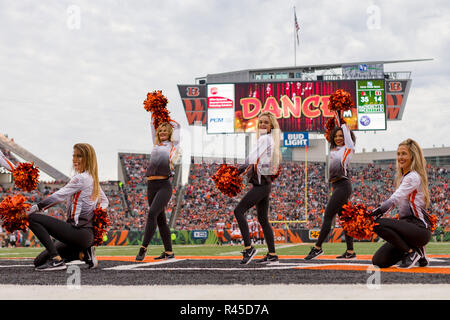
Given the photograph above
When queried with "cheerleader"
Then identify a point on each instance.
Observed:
(159, 189)
(405, 238)
(5, 162)
(75, 237)
(261, 166)
(342, 148)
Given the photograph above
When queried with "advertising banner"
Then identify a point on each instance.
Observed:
(220, 108)
(295, 139)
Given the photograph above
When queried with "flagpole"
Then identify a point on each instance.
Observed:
(295, 43)
(306, 183)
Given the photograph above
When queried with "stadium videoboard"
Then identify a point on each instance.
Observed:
(298, 106)
(370, 103)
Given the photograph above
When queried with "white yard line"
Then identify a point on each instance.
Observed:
(216, 269)
(139, 265)
(282, 246)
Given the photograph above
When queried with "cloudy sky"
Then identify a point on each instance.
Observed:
(78, 71)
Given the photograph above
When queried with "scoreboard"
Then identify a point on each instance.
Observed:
(370, 105)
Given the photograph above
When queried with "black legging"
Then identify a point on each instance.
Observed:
(158, 193)
(71, 240)
(259, 196)
(401, 236)
(342, 190)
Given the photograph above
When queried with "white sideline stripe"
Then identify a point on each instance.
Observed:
(215, 269)
(138, 265)
(267, 267)
(18, 265)
(279, 266)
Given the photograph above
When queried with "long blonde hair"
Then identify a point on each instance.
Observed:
(89, 164)
(418, 164)
(169, 129)
(276, 135)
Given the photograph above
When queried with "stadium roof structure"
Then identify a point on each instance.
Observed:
(308, 69)
(339, 65)
(10, 145)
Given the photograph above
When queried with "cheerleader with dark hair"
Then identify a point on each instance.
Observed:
(405, 238)
(261, 166)
(342, 147)
(164, 154)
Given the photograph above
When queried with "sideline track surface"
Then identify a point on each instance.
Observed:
(225, 270)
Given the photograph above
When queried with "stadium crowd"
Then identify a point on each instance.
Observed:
(202, 205)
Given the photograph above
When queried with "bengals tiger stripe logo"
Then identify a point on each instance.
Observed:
(395, 86)
(192, 91)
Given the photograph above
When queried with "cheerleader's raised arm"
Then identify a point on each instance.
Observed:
(176, 132)
(348, 141)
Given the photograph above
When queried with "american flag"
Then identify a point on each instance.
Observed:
(296, 27)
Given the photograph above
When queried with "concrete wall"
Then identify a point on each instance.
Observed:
(5, 178)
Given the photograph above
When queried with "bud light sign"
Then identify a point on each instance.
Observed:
(199, 234)
(295, 139)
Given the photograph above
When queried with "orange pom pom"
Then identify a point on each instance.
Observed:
(100, 224)
(228, 180)
(340, 100)
(433, 221)
(156, 103)
(13, 213)
(357, 221)
(26, 176)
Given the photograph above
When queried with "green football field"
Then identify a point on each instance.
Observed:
(362, 248)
